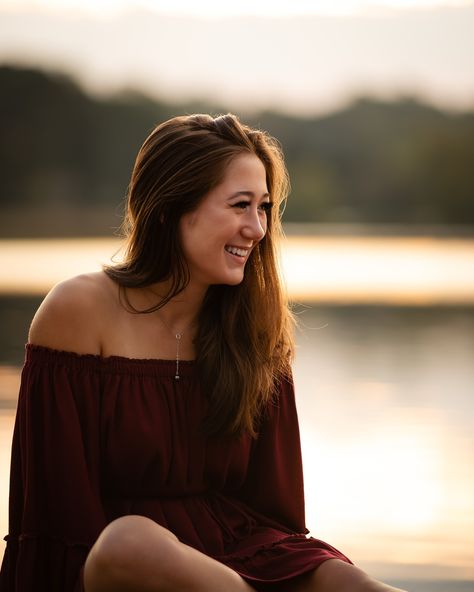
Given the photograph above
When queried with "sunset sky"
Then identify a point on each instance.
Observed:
(217, 8)
(304, 56)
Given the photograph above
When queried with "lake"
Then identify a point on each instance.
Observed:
(384, 389)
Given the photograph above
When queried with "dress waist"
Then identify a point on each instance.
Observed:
(163, 494)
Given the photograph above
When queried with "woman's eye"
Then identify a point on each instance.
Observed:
(242, 205)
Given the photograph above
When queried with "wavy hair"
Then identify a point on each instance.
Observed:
(244, 342)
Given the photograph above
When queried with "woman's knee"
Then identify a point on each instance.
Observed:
(335, 575)
(124, 549)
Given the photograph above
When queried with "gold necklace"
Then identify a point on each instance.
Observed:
(178, 335)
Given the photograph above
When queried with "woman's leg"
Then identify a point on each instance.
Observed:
(335, 575)
(136, 554)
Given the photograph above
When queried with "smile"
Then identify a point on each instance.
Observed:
(237, 251)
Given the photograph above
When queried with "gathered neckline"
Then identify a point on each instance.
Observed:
(33, 347)
(113, 362)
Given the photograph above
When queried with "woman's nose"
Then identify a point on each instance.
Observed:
(255, 225)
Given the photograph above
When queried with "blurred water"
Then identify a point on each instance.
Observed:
(386, 410)
(376, 269)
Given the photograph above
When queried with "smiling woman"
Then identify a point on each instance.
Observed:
(219, 235)
(157, 443)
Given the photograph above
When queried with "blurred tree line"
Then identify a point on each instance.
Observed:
(66, 158)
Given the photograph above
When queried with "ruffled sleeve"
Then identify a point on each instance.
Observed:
(55, 508)
(274, 485)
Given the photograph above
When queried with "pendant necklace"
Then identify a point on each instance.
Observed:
(178, 339)
(178, 335)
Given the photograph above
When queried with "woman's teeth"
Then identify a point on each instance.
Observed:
(236, 251)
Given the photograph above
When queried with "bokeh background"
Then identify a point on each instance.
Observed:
(373, 104)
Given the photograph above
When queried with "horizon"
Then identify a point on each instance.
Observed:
(298, 65)
(129, 92)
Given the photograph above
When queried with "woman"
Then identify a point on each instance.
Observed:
(156, 445)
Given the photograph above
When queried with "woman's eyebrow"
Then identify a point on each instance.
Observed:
(247, 194)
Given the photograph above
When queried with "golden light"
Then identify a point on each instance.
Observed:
(394, 270)
(218, 9)
(389, 479)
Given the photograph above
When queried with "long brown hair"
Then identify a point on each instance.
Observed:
(244, 342)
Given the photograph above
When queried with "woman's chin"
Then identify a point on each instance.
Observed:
(234, 280)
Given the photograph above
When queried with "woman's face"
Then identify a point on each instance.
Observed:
(219, 235)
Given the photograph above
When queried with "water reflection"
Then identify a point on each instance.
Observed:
(350, 269)
(9, 385)
(6, 430)
(386, 407)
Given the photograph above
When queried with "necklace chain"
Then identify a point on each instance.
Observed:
(178, 340)
(178, 335)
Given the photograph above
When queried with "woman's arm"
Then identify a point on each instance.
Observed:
(274, 485)
(56, 510)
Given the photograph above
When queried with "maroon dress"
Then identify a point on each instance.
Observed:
(98, 438)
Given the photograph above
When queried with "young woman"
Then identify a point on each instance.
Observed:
(156, 445)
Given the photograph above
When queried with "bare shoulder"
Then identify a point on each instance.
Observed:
(71, 316)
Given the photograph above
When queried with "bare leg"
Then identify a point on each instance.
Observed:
(338, 576)
(136, 554)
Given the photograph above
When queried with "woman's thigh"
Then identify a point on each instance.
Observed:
(135, 553)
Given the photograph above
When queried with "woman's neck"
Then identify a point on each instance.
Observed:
(181, 311)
